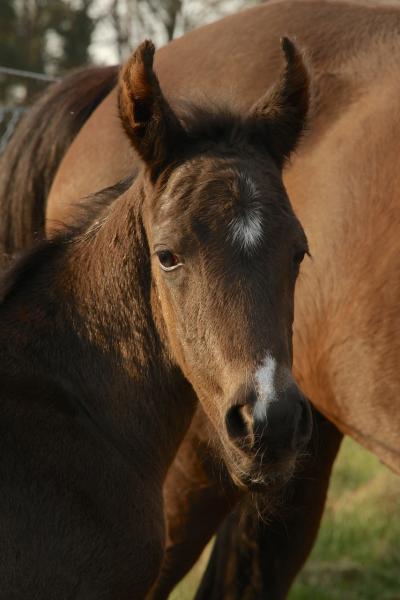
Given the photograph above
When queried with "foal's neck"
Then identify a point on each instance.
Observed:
(82, 319)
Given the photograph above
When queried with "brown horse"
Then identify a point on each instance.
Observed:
(107, 330)
(343, 181)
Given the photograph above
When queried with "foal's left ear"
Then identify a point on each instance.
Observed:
(146, 116)
(283, 110)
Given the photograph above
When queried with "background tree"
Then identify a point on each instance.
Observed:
(51, 37)
(42, 37)
(74, 24)
(162, 20)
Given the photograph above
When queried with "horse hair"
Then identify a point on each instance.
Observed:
(53, 121)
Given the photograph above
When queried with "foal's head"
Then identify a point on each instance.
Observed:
(226, 248)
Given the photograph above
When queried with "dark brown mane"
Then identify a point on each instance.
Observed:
(207, 125)
(214, 123)
(26, 157)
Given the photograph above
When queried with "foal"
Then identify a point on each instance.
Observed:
(184, 283)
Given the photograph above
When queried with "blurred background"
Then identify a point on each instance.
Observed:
(357, 555)
(41, 40)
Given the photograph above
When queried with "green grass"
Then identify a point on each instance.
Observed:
(357, 554)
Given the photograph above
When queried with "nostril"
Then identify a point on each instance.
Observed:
(304, 425)
(237, 422)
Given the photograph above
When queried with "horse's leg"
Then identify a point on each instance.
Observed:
(254, 560)
(198, 495)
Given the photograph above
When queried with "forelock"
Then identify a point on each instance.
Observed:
(210, 123)
(245, 229)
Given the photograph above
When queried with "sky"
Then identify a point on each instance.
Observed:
(103, 48)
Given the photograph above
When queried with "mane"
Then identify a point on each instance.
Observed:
(208, 125)
(25, 264)
(209, 121)
(31, 159)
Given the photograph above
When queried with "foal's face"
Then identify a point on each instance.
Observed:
(225, 249)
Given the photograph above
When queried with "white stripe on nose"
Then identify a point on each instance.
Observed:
(272, 379)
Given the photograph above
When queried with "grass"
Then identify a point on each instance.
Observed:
(357, 554)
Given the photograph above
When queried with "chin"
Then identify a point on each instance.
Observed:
(262, 477)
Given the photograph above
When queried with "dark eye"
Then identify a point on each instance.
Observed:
(168, 261)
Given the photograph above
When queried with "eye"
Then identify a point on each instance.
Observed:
(168, 261)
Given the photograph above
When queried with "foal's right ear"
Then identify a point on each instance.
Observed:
(145, 114)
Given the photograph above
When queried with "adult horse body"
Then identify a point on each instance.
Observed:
(107, 330)
(346, 350)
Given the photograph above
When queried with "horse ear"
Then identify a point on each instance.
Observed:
(283, 110)
(144, 112)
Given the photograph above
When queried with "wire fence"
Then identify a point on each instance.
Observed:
(27, 74)
(10, 115)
